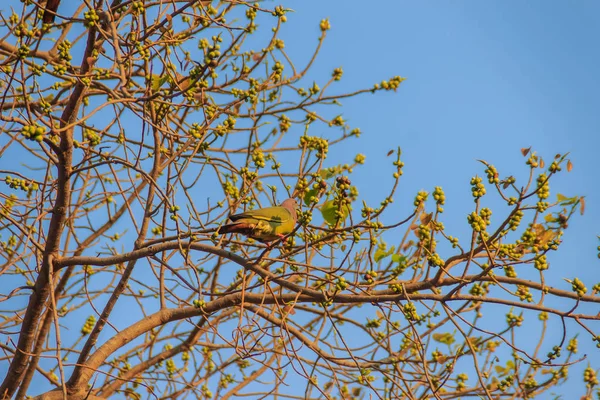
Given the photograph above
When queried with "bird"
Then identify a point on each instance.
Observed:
(50, 11)
(264, 224)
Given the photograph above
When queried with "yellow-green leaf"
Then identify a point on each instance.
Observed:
(326, 173)
(158, 81)
(381, 253)
(398, 258)
(445, 338)
(308, 195)
(329, 210)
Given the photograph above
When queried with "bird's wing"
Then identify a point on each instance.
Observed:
(269, 214)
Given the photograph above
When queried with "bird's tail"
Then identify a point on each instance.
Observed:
(234, 228)
(223, 229)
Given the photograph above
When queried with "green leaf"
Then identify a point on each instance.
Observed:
(308, 195)
(158, 81)
(398, 258)
(327, 173)
(381, 253)
(566, 201)
(504, 371)
(445, 338)
(329, 210)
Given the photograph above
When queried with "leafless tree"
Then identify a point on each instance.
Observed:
(131, 130)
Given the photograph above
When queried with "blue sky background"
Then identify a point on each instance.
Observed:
(484, 79)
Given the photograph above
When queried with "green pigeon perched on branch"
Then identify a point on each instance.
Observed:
(265, 224)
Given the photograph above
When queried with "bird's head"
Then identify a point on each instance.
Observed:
(291, 205)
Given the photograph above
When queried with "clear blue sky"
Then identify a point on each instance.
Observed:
(484, 79)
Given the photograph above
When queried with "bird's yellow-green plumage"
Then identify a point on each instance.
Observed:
(264, 224)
